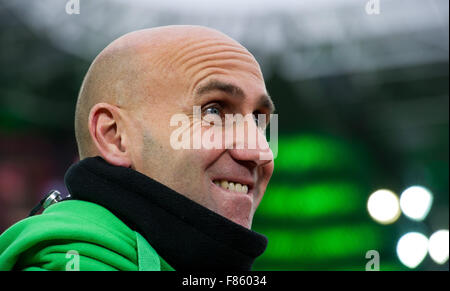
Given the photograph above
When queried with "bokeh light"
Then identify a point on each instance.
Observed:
(383, 206)
(415, 202)
(412, 249)
(438, 246)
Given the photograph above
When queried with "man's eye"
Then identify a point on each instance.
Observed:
(212, 110)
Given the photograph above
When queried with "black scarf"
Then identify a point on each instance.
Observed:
(185, 234)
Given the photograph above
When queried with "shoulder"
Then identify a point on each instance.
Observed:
(69, 235)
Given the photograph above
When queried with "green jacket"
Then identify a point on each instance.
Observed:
(72, 235)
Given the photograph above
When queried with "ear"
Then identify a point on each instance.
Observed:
(106, 129)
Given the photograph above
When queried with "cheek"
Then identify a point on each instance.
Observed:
(268, 171)
(190, 168)
(265, 173)
(208, 157)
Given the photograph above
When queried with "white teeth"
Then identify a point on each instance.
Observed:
(232, 186)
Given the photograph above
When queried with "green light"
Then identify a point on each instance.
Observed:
(313, 211)
(322, 244)
(312, 201)
(307, 153)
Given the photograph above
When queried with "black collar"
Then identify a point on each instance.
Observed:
(185, 234)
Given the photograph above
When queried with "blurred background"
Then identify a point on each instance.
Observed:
(362, 95)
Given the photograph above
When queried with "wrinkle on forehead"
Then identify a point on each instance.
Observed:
(202, 59)
(192, 48)
(213, 54)
(222, 57)
(203, 70)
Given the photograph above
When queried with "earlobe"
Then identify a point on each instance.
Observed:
(107, 134)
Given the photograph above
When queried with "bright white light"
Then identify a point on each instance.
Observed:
(438, 246)
(383, 206)
(415, 202)
(412, 249)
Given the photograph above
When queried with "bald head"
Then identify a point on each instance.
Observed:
(148, 66)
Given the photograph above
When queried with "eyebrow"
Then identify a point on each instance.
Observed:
(215, 85)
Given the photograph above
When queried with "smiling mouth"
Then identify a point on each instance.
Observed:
(232, 186)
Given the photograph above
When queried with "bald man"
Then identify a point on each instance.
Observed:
(137, 202)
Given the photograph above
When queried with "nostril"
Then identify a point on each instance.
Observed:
(251, 165)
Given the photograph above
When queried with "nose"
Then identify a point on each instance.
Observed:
(250, 143)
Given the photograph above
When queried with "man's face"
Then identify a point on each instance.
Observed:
(220, 83)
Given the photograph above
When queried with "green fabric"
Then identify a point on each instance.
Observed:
(147, 256)
(102, 241)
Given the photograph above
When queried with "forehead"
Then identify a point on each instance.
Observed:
(218, 58)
